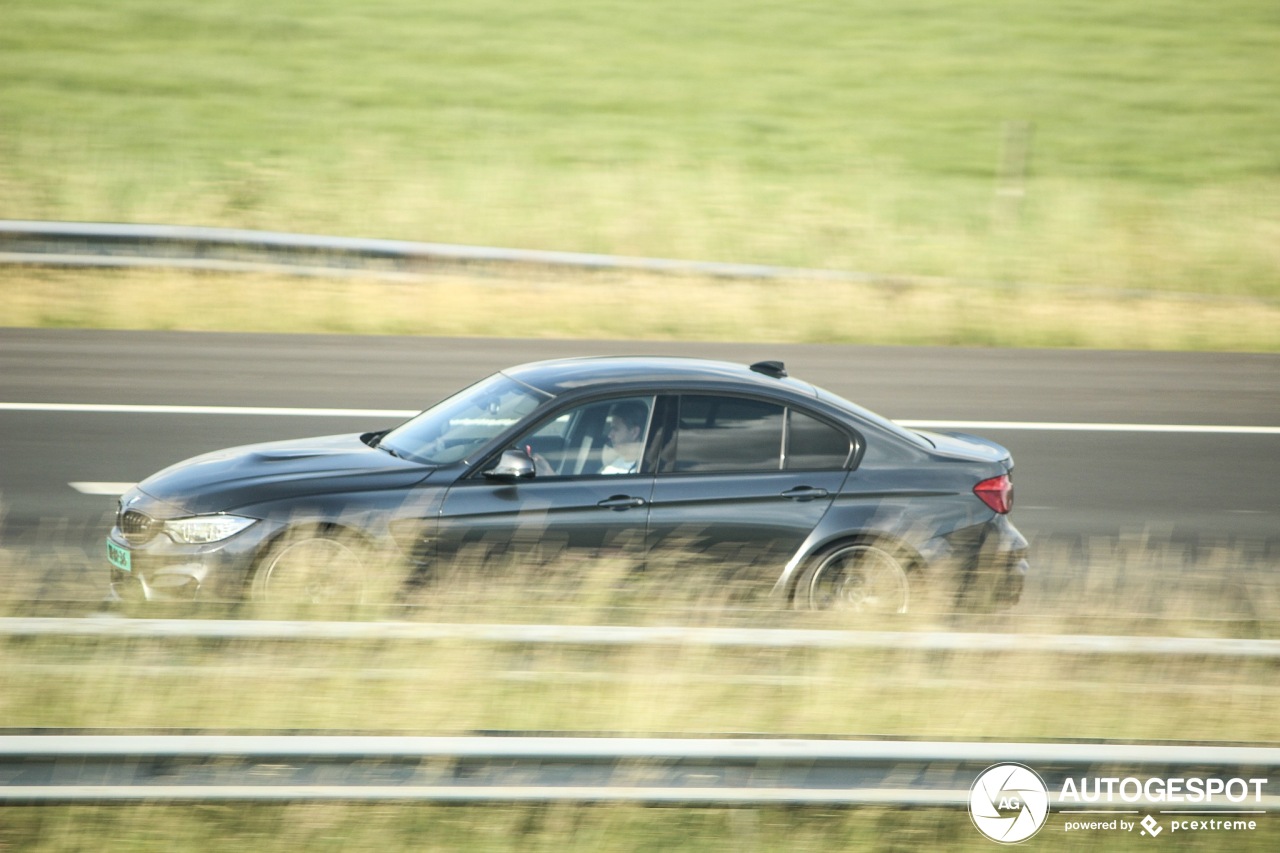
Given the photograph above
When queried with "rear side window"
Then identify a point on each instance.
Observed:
(728, 434)
(814, 445)
(719, 434)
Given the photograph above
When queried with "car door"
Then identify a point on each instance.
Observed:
(570, 509)
(740, 483)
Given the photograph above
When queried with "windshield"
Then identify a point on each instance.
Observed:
(453, 428)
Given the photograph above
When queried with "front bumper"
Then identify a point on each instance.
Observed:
(162, 570)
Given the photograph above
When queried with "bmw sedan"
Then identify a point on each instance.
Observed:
(790, 491)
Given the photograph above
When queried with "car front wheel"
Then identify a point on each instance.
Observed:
(857, 577)
(312, 567)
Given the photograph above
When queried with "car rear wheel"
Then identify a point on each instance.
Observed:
(312, 567)
(857, 577)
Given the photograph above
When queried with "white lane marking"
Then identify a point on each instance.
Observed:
(206, 410)
(1086, 427)
(1047, 426)
(112, 489)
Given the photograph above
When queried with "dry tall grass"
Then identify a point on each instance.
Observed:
(637, 306)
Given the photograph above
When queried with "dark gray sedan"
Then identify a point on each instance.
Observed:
(782, 487)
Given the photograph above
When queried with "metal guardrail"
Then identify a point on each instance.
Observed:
(626, 635)
(115, 245)
(77, 768)
(242, 250)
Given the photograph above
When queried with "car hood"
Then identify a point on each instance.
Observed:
(967, 446)
(260, 473)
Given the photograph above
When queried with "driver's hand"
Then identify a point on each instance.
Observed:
(542, 466)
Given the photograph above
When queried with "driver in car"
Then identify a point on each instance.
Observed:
(624, 438)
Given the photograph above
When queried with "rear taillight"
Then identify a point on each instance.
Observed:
(996, 493)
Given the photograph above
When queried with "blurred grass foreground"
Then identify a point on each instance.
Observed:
(1082, 175)
(1134, 586)
(455, 686)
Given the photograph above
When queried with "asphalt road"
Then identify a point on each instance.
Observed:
(1207, 488)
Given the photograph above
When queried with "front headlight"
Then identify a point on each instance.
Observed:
(203, 529)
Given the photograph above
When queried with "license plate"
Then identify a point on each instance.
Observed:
(119, 557)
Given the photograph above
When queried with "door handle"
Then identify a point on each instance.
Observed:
(804, 493)
(621, 502)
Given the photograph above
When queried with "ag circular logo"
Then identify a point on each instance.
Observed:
(1009, 803)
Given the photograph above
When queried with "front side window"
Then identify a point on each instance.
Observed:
(598, 438)
(453, 428)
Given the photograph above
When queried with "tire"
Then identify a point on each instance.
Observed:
(858, 577)
(313, 566)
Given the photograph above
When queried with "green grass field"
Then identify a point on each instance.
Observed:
(1043, 174)
(1121, 146)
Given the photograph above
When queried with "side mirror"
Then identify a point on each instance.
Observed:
(512, 465)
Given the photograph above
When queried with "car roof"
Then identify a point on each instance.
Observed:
(601, 372)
